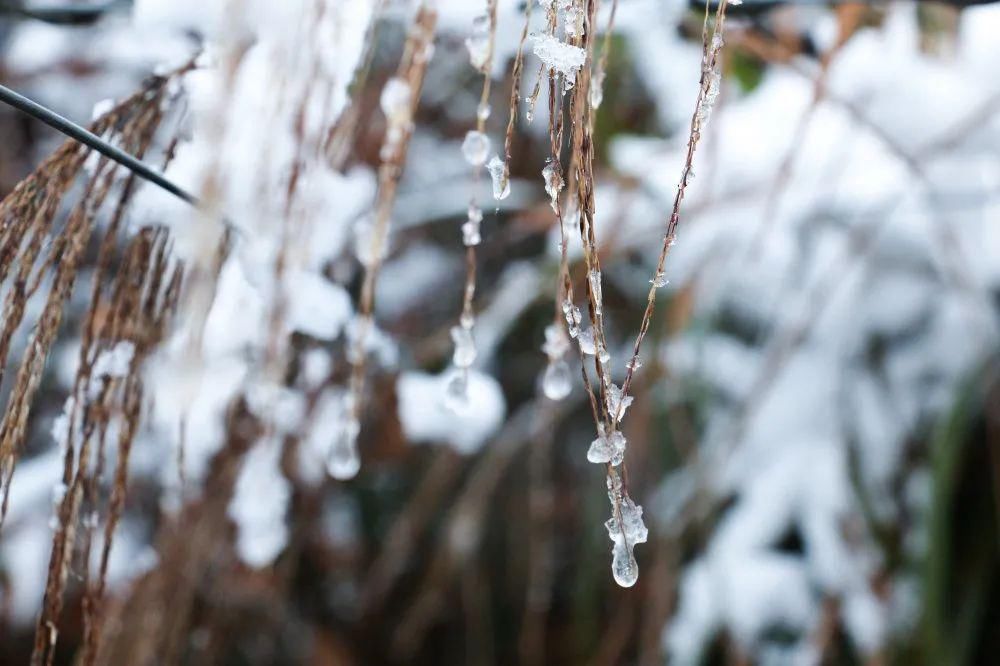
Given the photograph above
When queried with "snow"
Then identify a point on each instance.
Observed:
(425, 420)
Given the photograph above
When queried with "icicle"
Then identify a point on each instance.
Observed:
(475, 148)
(587, 344)
(478, 43)
(553, 185)
(597, 88)
(499, 174)
(471, 228)
(456, 392)
(556, 344)
(626, 535)
(342, 460)
(395, 101)
(595, 288)
(465, 346)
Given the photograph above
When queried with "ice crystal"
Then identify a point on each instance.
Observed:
(573, 318)
(618, 402)
(559, 56)
(475, 148)
(595, 288)
(607, 449)
(659, 280)
(499, 174)
(367, 246)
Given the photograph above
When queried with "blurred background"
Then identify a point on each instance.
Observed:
(815, 436)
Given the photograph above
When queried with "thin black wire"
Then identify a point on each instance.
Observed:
(88, 138)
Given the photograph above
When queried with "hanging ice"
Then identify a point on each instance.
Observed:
(556, 344)
(587, 343)
(607, 449)
(395, 101)
(559, 56)
(573, 318)
(465, 346)
(553, 184)
(501, 181)
(456, 392)
(626, 535)
(478, 43)
(595, 288)
(366, 245)
(475, 147)
(617, 402)
(557, 381)
(659, 280)
(597, 88)
(471, 227)
(343, 461)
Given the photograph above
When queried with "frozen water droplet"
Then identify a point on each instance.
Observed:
(471, 228)
(483, 111)
(595, 288)
(456, 392)
(342, 460)
(597, 88)
(553, 184)
(478, 43)
(465, 346)
(529, 109)
(395, 101)
(659, 280)
(573, 21)
(633, 363)
(501, 180)
(624, 568)
(573, 318)
(586, 340)
(607, 449)
(475, 147)
(618, 402)
(556, 344)
(367, 245)
(557, 382)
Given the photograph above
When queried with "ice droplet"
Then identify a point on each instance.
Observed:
(499, 174)
(478, 43)
(624, 568)
(659, 280)
(471, 228)
(342, 460)
(456, 392)
(395, 101)
(475, 147)
(586, 340)
(595, 288)
(607, 449)
(367, 247)
(597, 88)
(618, 402)
(557, 382)
(573, 318)
(483, 111)
(465, 346)
(553, 184)
(556, 344)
